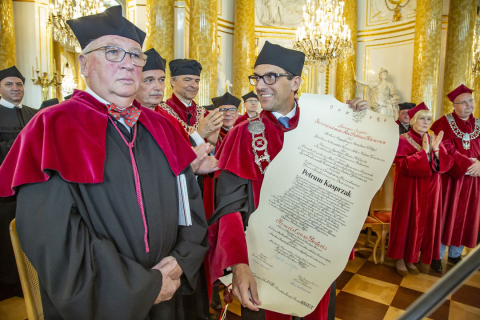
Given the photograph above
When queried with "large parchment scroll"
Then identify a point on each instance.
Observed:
(314, 201)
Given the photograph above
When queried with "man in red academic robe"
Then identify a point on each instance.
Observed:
(108, 209)
(276, 77)
(251, 104)
(201, 125)
(462, 184)
(417, 206)
(150, 94)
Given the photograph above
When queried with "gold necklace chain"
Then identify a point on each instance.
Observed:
(466, 137)
(417, 146)
(188, 129)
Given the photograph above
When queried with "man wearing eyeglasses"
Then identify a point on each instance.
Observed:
(243, 158)
(109, 212)
(13, 118)
(461, 186)
(251, 103)
(228, 106)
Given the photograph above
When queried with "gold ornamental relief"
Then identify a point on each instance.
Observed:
(160, 32)
(458, 59)
(345, 84)
(244, 47)
(7, 35)
(426, 57)
(203, 48)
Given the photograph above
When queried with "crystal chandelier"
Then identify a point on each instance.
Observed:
(63, 10)
(323, 35)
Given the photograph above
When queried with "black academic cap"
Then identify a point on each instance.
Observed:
(210, 107)
(49, 103)
(108, 23)
(180, 67)
(288, 59)
(251, 94)
(67, 97)
(406, 105)
(225, 100)
(11, 72)
(154, 61)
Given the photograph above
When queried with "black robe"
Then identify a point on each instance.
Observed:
(86, 240)
(12, 121)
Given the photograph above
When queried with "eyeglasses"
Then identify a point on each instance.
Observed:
(226, 110)
(465, 102)
(116, 54)
(252, 101)
(269, 78)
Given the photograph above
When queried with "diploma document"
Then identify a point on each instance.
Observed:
(314, 200)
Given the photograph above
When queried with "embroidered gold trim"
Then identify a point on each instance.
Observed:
(419, 147)
(188, 129)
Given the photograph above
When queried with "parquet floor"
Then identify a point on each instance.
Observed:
(364, 291)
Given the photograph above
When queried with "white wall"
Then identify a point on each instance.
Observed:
(32, 40)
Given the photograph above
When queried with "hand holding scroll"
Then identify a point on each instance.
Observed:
(244, 281)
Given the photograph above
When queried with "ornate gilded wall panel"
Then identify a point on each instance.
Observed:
(426, 59)
(243, 47)
(203, 47)
(160, 32)
(458, 60)
(345, 85)
(7, 35)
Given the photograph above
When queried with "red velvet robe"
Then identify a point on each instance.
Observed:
(461, 192)
(173, 121)
(78, 154)
(226, 236)
(242, 118)
(417, 206)
(182, 111)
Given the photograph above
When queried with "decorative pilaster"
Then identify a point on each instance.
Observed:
(57, 58)
(7, 35)
(305, 85)
(426, 53)
(458, 61)
(160, 30)
(345, 84)
(203, 46)
(243, 46)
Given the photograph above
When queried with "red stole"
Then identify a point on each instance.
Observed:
(70, 138)
(183, 112)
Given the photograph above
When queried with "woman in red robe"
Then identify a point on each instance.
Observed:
(417, 206)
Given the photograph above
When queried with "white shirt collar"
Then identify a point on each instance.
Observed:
(96, 96)
(289, 115)
(9, 105)
(187, 105)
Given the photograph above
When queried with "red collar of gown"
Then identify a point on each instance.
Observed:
(181, 110)
(70, 138)
(238, 157)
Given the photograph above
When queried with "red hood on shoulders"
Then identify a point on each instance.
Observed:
(235, 154)
(70, 138)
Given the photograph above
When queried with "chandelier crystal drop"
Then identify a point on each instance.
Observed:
(323, 35)
(63, 10)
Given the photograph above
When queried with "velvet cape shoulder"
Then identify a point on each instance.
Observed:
(70, 138)
(235, 154)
